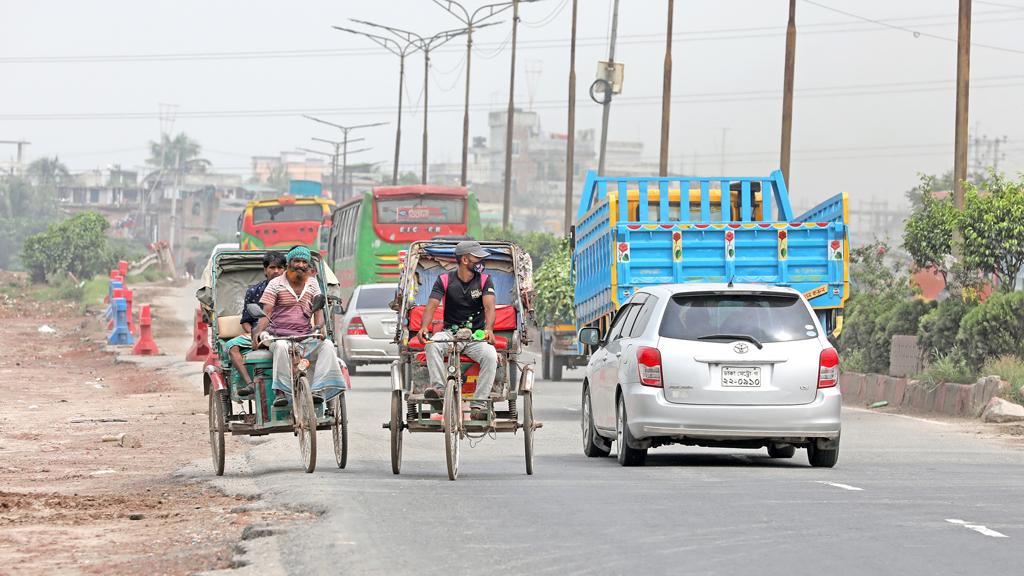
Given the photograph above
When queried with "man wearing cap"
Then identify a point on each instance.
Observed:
(468, 298)
(288, 304)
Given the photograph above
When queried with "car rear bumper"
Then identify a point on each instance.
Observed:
(364, 349)
(650, 416)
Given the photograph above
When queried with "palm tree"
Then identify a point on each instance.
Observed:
(47, 172)
(178, 154)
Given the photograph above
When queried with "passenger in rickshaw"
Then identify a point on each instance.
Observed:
(288, 304)
(273, 266)
(468, 297)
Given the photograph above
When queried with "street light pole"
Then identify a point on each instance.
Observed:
(963, 84)
(471, 21)
(426, 45)
(344, 143)
(666, 95)
(570, 145)
(608, 97)
(787, 93)
(334, 163)
(510, 123)
(401, 50)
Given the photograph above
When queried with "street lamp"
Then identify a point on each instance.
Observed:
(344, 143)
(426, 45)
(471, 21)
(400, 49)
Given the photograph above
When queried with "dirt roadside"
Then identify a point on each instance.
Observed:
(89, 446)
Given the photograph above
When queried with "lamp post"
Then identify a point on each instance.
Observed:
(400, 49)
(344, 144)
(570, 144)
(426, 44)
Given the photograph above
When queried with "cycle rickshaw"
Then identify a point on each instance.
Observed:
(224, 283)
(510, 268)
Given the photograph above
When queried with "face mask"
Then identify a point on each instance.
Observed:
(478, 267)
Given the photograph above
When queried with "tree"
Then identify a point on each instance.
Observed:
(47, 172)
(928, 236)
(77, 245)
(178, 154)
(538, 244)
(992, 227)
(553, 287)
(872, 272)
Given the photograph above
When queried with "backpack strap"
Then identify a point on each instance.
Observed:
(446, 277)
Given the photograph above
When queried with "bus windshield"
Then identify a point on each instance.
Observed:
(421, 210)
(287, 213)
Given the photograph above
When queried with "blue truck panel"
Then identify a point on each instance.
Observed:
(306, 188)
(636, 232)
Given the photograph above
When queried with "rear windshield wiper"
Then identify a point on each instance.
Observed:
(746, 337)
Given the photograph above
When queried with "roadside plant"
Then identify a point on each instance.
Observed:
(992, 227)
(992, 329)
(554, 288)
(77, 246)
(928, 236)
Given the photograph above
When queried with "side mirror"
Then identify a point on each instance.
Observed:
(255, 310)
(338, 307)
(318, 303)
(590, 336)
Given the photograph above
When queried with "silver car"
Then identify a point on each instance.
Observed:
(367, 327)
(743, 366)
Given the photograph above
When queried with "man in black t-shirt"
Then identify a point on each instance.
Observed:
(468, 297)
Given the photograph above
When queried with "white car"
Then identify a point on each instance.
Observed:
(744, 366)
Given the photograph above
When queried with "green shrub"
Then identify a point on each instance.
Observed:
(870, 322)
(77, 245)
(553, 288)
(937, 331)
(1011, 369)
(949, 367)
(992, 329)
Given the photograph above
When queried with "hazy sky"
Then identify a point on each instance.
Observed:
(874, 105)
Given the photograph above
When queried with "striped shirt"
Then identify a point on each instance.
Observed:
(292, 312)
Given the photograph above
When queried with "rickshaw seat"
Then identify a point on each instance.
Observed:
(504, 317)
(500, 343)
(259, 355)
(229, 327)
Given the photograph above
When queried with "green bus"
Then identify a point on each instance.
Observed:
(370, 234)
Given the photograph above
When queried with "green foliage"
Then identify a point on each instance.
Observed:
(76, 245)
(949, 367)
(928, 184)
(538, 244)
(871, 320)
(992, 329)
(928, 235)
(1010, 369)
(177, 154)
(407, 178)
(47, 172)
(936, 334)
(993, 229)
(872, 272)
(553, 287)
(95, 290)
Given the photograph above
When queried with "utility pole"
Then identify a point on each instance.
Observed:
(963, 79)
(426, 45)
(510, 123)
(787, 93)
(570, 144)
(471, 22)
(20, 144)
(400, 49)
(666, 95)
(608, 96)
(344, 146)
(334, 162)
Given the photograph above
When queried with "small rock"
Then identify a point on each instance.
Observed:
(252, 532)
(1000, 411)
(33, 407)
(135, 516)
(130, 441)
(112, 437)
(44, 329)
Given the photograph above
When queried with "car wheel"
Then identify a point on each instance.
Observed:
(556, 367)
(627, 455)
(781, 450)
(821, 457)
(545, 364)
(351, 367)
(593, 446)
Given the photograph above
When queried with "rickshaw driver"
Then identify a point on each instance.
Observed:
(288, 304)
(273, 266)
(468, 300)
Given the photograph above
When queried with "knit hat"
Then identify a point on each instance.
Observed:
(300, 252)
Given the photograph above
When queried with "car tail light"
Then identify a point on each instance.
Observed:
(649, 362)
(828, 368)
(401, 256)
(356, 328)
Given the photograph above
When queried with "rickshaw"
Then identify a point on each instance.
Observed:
(510, 268)
(224, 284)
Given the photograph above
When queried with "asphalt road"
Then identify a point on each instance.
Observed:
(908, 496)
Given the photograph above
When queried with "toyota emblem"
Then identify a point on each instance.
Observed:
(740, 347)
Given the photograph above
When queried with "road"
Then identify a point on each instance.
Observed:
(908, 496)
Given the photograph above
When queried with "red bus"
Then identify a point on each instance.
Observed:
(285, 222)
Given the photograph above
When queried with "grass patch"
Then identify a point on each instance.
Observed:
(1011, 369)
(949, 367)
(94, 291)
(151, 274)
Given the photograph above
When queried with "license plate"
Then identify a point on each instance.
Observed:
(741, 376)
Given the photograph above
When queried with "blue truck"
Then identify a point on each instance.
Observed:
(633, 232)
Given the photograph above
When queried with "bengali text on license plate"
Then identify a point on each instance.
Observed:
(741, 376)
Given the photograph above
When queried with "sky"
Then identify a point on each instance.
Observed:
(874, 103)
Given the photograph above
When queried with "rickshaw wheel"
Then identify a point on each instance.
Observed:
(452, 415)
(217, 424)
(304, 416)
(528, 429)
(396, 431)
(339, 429)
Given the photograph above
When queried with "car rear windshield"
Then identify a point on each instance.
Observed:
(766, 317)
(374, 298)
(287, 213)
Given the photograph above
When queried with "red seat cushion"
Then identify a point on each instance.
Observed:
(504, 317)
(500, 343)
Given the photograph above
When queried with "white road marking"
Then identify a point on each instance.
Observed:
(838, 485)
(977, 528)
(936, 422)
